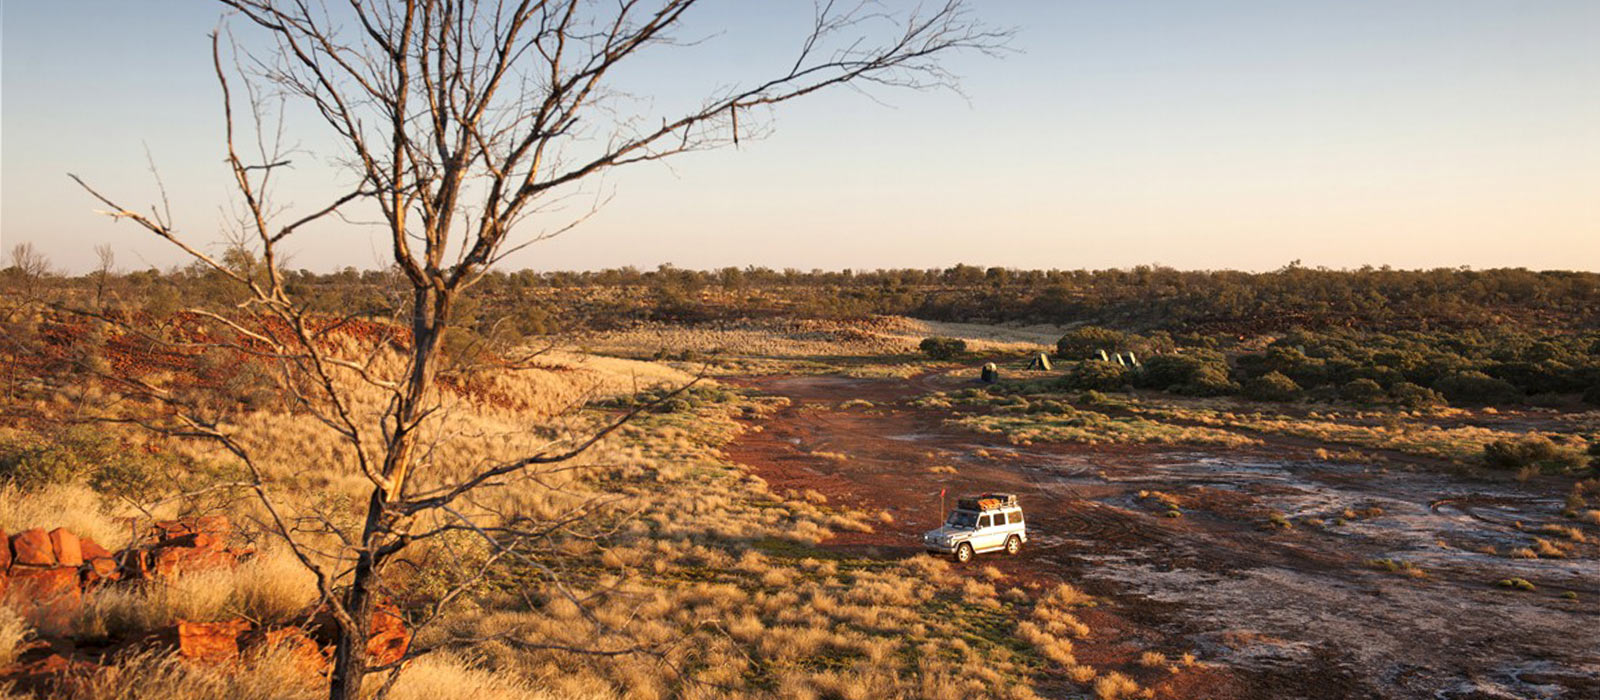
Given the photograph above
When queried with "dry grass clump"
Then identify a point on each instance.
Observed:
(447, 676)
(14, 630)
(942, 469)
(1115, 685)
(1546, 548)
(1566, 531)
(270, 587)
(73, 506)
(274, 675)
(1155, 659)
(1397, 566)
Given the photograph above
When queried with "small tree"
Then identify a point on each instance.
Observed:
(458, 122)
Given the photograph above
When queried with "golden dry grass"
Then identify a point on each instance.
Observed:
(73, 506)
(14, 630)
(687, 556)
(1115, 685)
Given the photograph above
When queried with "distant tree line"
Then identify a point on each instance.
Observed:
(1143, 298)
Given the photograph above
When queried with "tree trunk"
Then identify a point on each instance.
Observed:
(350, 653)
(429, 315)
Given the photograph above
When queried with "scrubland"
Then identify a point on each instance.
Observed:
(668, 570)
(663, 568)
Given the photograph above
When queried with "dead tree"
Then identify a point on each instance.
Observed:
(459, 121)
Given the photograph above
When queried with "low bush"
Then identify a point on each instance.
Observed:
(1530, 451)
(1097, 376)
(1202, 373)
(1272, 386)
(1477, 388)
(1362, 391)
(942, 348)
(1088, 341)
(1410, 395)
(79, 454)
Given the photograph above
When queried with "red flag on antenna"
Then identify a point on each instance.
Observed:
(941, 493)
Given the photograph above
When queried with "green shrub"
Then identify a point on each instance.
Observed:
(1364, 391)
(77, 454)
(1413, 396)
(1477, 388)
(1272, 386)
(940, 348)
(1088, 341)
(1096, 375)
(1201, 373)
(1531, 451)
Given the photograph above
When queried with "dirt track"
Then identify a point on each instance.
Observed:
(1297, 612)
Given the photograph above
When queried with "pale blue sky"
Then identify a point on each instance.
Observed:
(1187, 133)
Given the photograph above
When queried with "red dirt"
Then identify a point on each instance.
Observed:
(1271, 612)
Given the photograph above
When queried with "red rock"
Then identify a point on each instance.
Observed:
(50, 597)
(211, 642)
(217, 526)
(92, 550)
(102, 569)
(5, 550)
(388, 637)
(308, 656)
(167, 562)
(33, 548)
(67, 548)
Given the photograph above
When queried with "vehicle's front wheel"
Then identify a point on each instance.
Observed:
(964, 553)
(1013, 544)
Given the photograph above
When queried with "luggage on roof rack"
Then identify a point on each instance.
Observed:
(987, 501)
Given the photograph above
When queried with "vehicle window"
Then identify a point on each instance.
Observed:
(983, 522)
(1016, 517)
(962, 519)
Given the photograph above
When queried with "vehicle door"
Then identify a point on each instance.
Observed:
(1013, 525)
(988, 535)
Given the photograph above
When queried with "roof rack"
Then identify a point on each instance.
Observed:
(987, 501)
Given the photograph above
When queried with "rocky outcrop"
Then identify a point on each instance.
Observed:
(42, 577)
(48, 574)
(211, 642)
(174, 547)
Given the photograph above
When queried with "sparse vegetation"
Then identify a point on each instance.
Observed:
(943, 348)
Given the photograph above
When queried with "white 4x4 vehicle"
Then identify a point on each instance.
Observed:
(986, 523)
